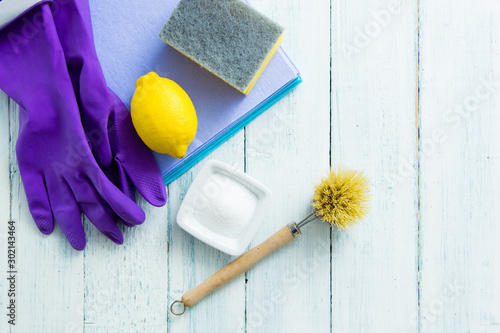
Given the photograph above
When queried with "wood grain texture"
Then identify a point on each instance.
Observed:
(406, 90)
(459, 110)
(126, 286)
(374, 57)
(4, 204)
(288, 150)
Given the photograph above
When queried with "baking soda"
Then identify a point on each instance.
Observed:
(224, 206)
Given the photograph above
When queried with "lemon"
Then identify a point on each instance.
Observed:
(163, 115)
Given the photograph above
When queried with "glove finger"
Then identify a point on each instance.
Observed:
(147, 178)
(99, 212)
(117, 175)
(38, 201)
(133, 156)
(98, 215)
(125, 185)
(87, 194)
(125, 208)
(123, 181)
(67, 213)
(100, 145)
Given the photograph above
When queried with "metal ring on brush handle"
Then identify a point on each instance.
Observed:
(177, 313)
(294, 229)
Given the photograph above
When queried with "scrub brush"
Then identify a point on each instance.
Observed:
(341, 199)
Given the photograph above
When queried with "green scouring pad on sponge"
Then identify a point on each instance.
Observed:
(227, 37)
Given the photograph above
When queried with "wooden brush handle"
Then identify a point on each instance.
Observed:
(241, 264)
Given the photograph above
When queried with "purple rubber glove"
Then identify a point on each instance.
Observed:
(59, 173)
(105, 118)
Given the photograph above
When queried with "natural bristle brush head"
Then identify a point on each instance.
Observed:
(341, 198)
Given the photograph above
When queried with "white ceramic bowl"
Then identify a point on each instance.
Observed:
(210, 183)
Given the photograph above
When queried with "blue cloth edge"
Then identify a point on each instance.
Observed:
(176, 173)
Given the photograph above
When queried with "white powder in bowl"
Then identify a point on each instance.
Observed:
(224, 206)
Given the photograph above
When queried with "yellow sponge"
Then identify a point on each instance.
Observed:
(227, 37)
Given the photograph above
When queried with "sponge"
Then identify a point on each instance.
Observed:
(227, 37)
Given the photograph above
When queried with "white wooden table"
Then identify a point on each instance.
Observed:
(407, 90)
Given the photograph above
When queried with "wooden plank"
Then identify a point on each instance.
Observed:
(4, 210)
(374, 285)
(50, 272)
(459, 105)
(192, 261)
(288, 150)
(374, 266)
(126, 285)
